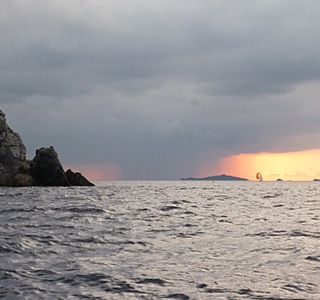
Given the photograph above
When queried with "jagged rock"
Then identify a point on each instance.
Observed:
(77, 179)
(46, 168)
(12, 152)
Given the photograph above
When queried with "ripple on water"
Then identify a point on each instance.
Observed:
(158, 240)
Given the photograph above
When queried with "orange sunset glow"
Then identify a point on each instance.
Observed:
(297, 166)
(96, 172)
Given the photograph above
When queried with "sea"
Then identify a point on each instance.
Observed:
(161, 240)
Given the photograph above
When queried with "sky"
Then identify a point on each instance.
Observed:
(165, 89)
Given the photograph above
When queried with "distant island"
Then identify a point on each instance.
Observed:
(218, 177)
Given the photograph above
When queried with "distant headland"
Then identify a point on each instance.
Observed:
(218, 177)
(44, 169)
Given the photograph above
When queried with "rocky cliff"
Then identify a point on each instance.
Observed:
(44, 170)
(12, 152)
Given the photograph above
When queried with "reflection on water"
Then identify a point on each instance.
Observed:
(169, 239)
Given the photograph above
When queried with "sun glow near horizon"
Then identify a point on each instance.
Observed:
(97, 172)
(296, 166)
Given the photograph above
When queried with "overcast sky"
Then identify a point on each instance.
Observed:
(160, 88)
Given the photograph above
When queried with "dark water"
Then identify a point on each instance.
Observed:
(161, 240)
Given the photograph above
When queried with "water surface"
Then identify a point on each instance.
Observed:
(161, 240)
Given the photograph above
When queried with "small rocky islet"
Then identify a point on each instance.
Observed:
(44, 169)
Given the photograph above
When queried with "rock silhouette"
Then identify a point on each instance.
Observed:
(44, 169)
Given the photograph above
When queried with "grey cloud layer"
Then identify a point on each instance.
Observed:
(161, 87)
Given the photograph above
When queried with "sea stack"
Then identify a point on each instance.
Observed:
(44, 169)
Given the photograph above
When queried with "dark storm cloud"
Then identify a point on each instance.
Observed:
(160, 87)
(243, 45)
